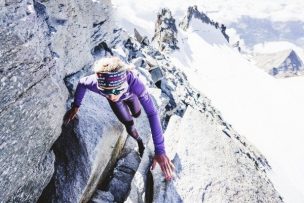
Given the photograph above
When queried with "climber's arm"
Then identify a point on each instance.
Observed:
(156, 129)
(88, 82)
(154, 121)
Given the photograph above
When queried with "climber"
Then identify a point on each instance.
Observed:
(124, 91)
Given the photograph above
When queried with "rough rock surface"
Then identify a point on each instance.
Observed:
(102, 197)
(180, 95)
(32, 103)
(211, 165)
(176, 94)
(41, 43)
(85, 149)
(123, 174)
(119, 183)
(165, 31)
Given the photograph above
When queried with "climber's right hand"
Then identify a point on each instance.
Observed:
(165, 164)
(70, 115)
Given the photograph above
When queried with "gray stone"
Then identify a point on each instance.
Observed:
(102, 197)
(43, 172)
(165, 36)
(28, 129)
(139, 62)
(75, 35)
(138, 185)
(156, 74)
(86, 150)
(208, 169)
(127, 165)
(41, 42)
(138, 36)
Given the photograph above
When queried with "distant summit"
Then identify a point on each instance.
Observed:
(193, 12)
(281, 64)
(165, 36)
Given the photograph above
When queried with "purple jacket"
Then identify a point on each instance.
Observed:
(135, 87)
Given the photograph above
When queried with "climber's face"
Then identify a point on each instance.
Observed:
(114, 94)
(113, 98)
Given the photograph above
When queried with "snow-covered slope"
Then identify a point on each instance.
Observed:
(268, 112)
(211, 165)
(265, 110)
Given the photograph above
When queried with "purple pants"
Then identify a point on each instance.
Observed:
(124, 110)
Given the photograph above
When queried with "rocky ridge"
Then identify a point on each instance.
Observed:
(193, 12)
(181, 97)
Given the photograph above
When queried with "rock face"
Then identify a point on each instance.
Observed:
(281, 64)
(119, 181)
(32, 103)
(102, 197)
(41, 43)
(224, 166)
(123, 174)
(165, 31)
(85, 151)
(211, 165)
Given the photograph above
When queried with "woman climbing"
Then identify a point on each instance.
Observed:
(124, 92)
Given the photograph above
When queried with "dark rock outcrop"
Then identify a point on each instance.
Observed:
(165, 35)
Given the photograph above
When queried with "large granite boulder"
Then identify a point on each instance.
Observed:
(211, 165)
(32, 103)
(41, 43)
(85, 152)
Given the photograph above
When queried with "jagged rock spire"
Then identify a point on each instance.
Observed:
(165, 37)
(193, 12)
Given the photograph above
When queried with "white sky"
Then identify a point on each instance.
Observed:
(233, 13)
(223, 11)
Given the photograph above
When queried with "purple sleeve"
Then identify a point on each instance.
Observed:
(152, 114)
(88, 82)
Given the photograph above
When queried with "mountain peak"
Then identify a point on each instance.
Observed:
(281, 64)
(193, 12)
(165, 35)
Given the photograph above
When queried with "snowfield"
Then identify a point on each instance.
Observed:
(267, 111)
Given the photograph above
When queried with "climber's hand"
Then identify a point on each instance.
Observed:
(165, 164)
(70, 115)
